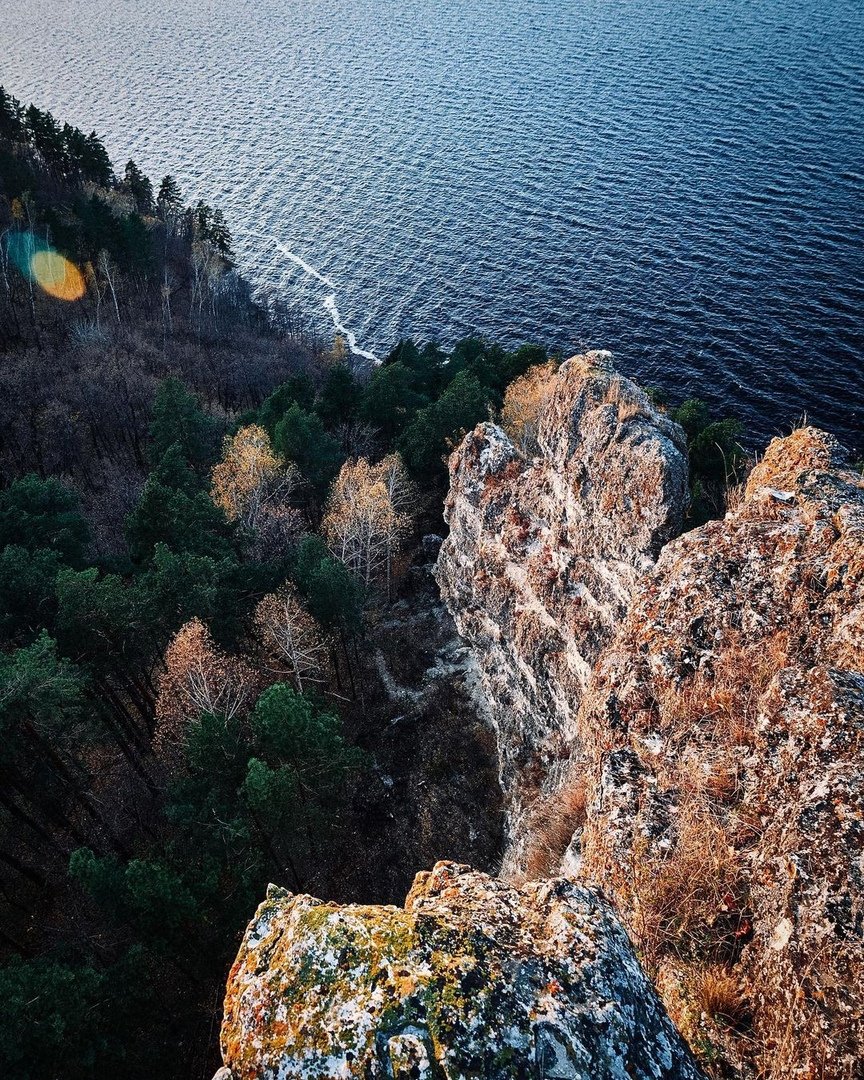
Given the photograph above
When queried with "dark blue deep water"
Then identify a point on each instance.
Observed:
(681, 181)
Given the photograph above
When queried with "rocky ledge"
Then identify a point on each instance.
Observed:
(681, 719)
(474, 978)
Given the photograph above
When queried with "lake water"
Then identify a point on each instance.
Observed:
(680, 182)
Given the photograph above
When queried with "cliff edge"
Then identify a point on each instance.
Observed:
(545, 553)
(680, 718)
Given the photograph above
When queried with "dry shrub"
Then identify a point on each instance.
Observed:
(720, 705)
(524, 403)
(692, 899)
(715, 775)
(734, 496)
(718, 994)
(629, 405)
(551, 824)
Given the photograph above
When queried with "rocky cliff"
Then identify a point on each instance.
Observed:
(472, 979)
(680, 722)
(689, 730)
(544, 554)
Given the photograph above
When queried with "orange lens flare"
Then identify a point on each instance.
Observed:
(57, 276)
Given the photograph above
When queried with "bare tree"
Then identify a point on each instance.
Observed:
(292, 637)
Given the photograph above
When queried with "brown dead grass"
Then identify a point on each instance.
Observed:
(718, 994)
(629, 405)
(553, 821)
(691, 900)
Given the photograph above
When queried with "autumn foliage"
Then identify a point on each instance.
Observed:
(292, 639)
(524, 403)
(367, 516)
(252, 485)
(198, 678)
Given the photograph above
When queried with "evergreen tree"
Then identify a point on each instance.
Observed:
(187, 523)
(298, 390)
(392, 398)
(300, 438)
(339, 396)
(11, 117)
(333, 595)
(170, 198)
(45, 136)
(36, 513)
(95, 163)
(27, 591)
(139, 187)
(178, 418)
(436, 429)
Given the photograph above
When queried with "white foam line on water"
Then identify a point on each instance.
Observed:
(330, 304)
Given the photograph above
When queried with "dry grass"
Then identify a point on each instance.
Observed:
(691, 900)
(719, 996)
(552, 822)
(734, 496)
(720, 706)
(629, 406)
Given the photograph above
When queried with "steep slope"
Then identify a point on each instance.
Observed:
(544, 554)
(472, 979)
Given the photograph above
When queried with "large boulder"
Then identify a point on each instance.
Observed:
(721, 743)
(474, 978)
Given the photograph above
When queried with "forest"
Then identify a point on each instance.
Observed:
(215, 539)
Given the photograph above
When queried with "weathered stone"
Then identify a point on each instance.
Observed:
(544, 555)
(707, 710)
(472, 979)
(737, 683)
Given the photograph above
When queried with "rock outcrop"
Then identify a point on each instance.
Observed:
(474, 978)
(680, 722)
(691, 731)
(544, 554)
(722, 745)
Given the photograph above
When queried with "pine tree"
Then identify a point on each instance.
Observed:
(139, 187)
(170, 198)
(11, 117)
(178, 418)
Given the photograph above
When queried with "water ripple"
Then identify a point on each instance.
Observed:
(681, 183)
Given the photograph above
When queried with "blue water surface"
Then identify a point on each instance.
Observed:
(680, 182)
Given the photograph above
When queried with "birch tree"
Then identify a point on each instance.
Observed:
(367, 516)
(291, 637)
(198, 678)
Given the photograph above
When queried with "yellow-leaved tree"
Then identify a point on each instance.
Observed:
(523, 405)
(254, 486)
(198, 678)
(367, 516)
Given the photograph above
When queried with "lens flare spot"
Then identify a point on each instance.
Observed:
(57, 276)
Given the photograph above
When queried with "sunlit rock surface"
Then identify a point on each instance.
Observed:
(472, 979)
(682, 718)
(544, 555)
(723, 730)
